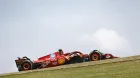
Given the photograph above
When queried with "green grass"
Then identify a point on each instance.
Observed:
(128, 69)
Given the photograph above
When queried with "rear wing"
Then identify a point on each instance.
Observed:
(20, 60)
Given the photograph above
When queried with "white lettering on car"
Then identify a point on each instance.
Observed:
(45, 64)
(54, 63)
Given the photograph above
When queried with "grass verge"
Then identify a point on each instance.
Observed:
(118, 69)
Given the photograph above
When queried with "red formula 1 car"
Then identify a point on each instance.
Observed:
(60, 58)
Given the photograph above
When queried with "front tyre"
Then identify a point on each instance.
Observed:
(95, 56)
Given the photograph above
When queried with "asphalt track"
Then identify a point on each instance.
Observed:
(123, 59)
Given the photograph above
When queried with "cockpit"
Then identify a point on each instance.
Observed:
(52, 55)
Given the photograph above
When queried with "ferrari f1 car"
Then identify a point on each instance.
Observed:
(60, 58)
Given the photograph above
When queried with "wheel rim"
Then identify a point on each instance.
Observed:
(26, 66)
(95, 57)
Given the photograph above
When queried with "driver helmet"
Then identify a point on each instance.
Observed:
(60, 51)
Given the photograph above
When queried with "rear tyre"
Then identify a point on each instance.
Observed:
(95, 56)
(26, 66)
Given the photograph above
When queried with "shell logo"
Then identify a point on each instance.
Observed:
(61, 61)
